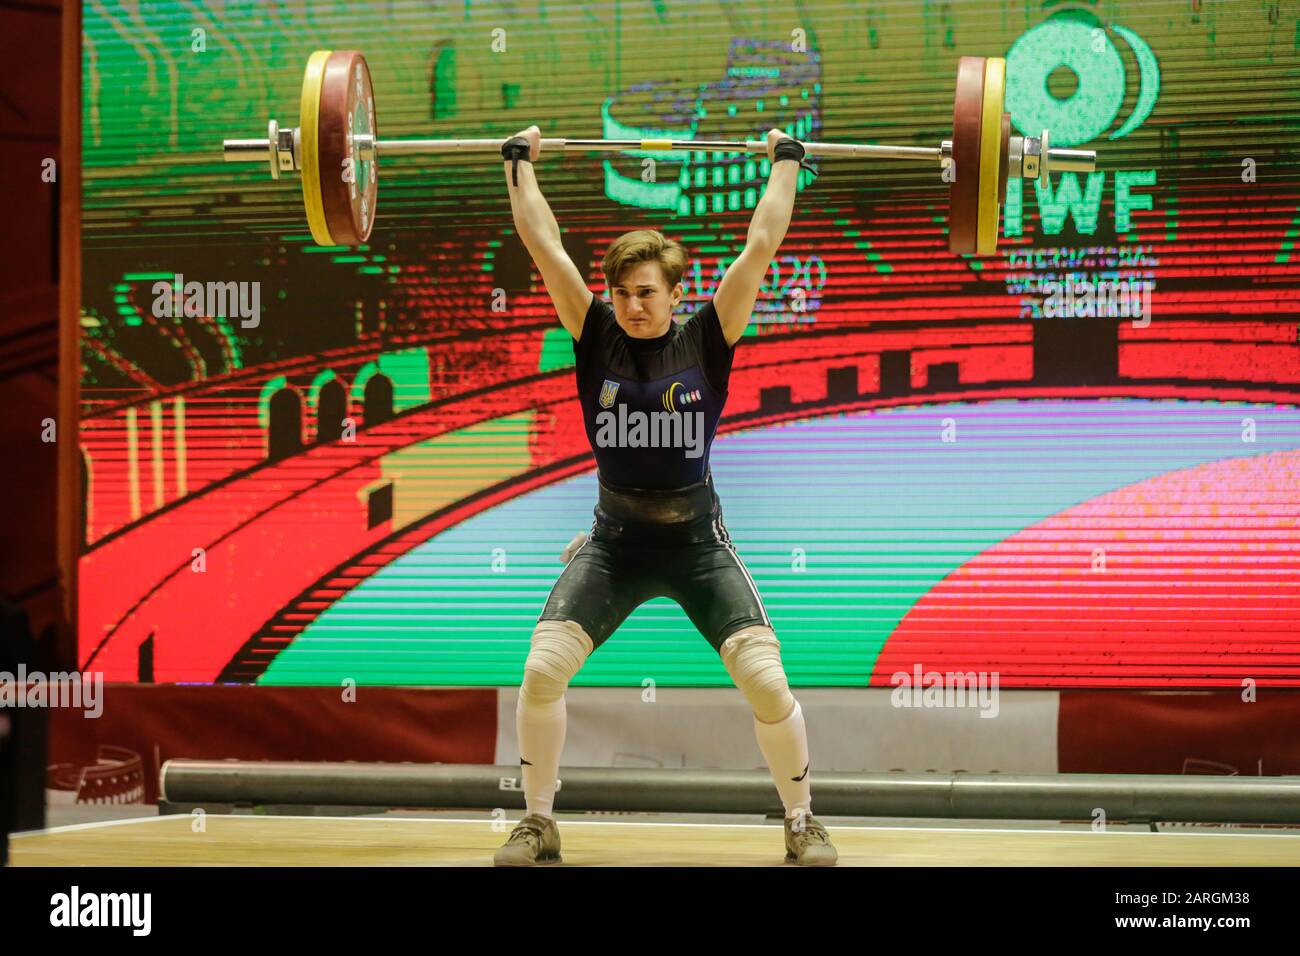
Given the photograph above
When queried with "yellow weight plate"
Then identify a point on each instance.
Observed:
(991, 158)
(308, 122)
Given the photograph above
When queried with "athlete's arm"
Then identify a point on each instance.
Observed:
(738, 289)
(541, 237)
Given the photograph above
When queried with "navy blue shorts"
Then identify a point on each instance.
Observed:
(625, 563)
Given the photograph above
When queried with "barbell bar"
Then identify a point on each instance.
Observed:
(337, 131)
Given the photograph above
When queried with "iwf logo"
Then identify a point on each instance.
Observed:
(1074, 46)
(678, 394)
(1080, 45)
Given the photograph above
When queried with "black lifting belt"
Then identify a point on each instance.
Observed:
(658, 506)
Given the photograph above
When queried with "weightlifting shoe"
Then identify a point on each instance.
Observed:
(534, 840)
(807, 843)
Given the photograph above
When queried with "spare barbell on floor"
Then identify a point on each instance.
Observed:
(337, 145)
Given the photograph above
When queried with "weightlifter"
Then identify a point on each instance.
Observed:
(658, 528)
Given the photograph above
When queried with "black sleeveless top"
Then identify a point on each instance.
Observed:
(651, 406)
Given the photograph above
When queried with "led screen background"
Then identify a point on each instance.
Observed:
(918, 466)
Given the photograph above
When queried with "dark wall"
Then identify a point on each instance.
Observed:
(29, 135)
(32, 622)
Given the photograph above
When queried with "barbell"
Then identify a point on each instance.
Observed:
(336, 147)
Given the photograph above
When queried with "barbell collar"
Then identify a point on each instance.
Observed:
(1031, 158)
(1015, 156)
(287, 149)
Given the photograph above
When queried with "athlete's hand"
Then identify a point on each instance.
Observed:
(775, 136)
(534, 137)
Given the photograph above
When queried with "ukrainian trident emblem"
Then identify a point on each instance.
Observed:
(607, 393)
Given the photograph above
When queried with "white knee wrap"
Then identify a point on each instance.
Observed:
(752, 657)
(558, 650)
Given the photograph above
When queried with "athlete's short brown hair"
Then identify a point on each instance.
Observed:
(644, 245)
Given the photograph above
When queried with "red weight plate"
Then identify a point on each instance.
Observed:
(964, 193)
(1006, 144)
(349, 184)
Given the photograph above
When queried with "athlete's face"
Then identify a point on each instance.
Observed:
(643, 303)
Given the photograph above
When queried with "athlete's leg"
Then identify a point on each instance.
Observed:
(715, 589)
(752, 657)
(599, 587)
(558, 650)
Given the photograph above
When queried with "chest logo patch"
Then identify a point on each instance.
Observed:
(607, 393)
